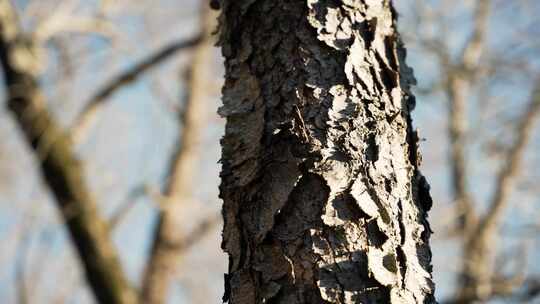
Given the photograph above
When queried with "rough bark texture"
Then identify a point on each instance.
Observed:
(322, 198)
(60, 168)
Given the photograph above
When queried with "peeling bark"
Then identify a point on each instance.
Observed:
(323, 201)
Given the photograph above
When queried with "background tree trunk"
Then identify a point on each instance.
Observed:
(170, 238)
(61, 169)
(323, 200)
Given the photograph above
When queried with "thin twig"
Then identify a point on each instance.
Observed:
(512, 166)
(87, 117)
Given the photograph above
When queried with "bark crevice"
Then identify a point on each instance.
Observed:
(323, 200)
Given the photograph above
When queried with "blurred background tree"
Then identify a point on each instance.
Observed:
(51, 53)
(478, 73)
(130, 89)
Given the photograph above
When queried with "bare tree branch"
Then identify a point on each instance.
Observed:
(510, 170)
(529, 290)
(459, 77)
(169, 241)
(60, 168)
(200, 231)
(476, 64)
(457, 89)
(478, 281)
(478, 278)
(476, 44)
(86, 118)
(20, 272)
(125, 207)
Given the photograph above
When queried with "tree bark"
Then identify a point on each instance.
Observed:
(323, 201)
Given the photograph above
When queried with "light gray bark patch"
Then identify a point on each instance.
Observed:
(356, 68)
(370, 73)
(380, 267)
(333, 27)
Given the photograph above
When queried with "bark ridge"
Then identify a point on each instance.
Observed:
(322, 198)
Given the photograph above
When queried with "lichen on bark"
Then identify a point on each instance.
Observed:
(322, 198)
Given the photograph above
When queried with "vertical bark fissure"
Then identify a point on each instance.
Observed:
(322, 198)
(62, 171)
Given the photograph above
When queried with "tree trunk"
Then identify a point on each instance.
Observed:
(322, 198)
